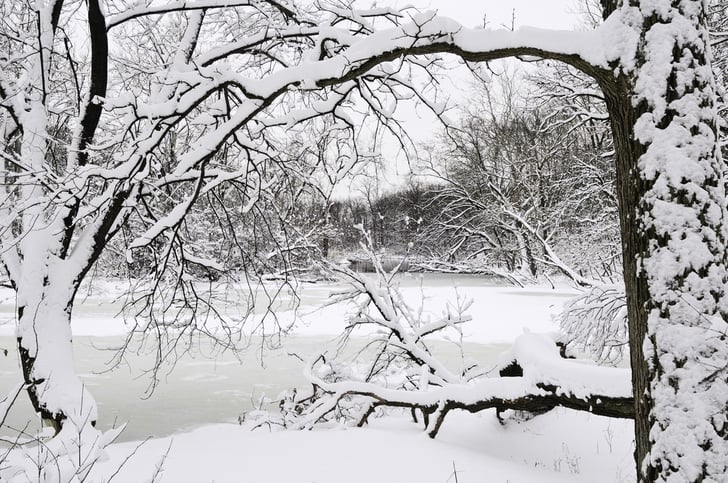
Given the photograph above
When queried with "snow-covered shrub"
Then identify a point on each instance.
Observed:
(595, 322)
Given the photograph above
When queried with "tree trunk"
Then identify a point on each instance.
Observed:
(526, 264)
(629, 189)
(46, 355)
(671, 195)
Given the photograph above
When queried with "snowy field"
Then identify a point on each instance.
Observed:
(191, 416)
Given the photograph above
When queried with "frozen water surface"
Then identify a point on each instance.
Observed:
(208, 386)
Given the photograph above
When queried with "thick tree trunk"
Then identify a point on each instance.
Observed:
(629, 189)
(672, 214)
(46, 355)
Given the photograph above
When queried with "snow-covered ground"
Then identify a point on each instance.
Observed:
(562, 445)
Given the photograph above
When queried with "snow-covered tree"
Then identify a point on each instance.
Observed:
(121, 120)
(524, 189)
(82, 153)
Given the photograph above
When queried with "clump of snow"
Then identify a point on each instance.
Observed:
(539, 357)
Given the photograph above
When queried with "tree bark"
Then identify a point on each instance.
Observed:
(46, 355)
(672, 215)
(629, 190)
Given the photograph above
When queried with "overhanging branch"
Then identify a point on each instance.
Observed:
(187, 6)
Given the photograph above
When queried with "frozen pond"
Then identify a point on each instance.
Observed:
(198, 391)
(208, 387)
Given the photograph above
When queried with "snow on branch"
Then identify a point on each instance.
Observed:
(398, 368)
(550, 256)
(170, 221)
(543, 381)
(427, 34)
(596, 322)
(144, 9)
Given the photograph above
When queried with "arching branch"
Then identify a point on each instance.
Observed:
(187, 6)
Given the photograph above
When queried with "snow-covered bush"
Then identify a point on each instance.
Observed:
(595, 323)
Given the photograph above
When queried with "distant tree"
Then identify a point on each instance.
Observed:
(524, 192)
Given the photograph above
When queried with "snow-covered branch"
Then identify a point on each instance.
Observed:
(398, 369)
(534, 378)
(149, 8)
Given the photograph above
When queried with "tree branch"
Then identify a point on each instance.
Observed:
(186, 6)
(91, 112)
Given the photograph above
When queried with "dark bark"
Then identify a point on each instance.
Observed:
(614, 407)
(27, 361)
(608, 7)
(99, 77)
(629, 190)
(55, 421)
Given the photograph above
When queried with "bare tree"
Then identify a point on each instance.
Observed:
(519, 190)
(179, 107)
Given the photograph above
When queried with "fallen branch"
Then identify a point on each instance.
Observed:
(396, 368)
(540, 381)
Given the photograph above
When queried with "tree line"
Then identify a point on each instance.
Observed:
(519, 184)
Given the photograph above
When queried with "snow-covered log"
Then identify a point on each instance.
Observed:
(532, 377)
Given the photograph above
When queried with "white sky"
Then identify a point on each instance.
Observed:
(556, 14)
